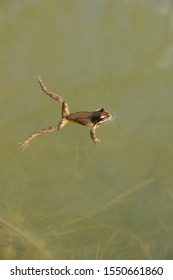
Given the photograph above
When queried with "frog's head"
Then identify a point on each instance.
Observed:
(104, 116)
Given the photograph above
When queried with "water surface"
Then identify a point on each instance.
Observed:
(65, 198)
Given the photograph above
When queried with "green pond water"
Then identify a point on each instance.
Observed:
(64, 197)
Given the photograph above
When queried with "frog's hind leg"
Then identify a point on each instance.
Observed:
(62, 123)
(51, 94)
(65, 109)
(25, 144)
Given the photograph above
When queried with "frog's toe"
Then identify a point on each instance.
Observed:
(97, 141)
(23, 145)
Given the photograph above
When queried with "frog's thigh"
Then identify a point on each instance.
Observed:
(62, 123)
(65, 109)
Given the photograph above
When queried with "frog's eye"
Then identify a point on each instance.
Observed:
(102, 110)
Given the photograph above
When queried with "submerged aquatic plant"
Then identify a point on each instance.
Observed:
(18, 244)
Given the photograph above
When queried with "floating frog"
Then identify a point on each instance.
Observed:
(88, 118)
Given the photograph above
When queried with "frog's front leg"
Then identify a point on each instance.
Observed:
(93, 134)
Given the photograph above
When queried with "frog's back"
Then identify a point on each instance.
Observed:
(83, 117)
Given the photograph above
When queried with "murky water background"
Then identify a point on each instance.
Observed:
(65, 198)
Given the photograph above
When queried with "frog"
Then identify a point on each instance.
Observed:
(91, 119)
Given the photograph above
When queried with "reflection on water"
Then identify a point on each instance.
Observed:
(65, 198)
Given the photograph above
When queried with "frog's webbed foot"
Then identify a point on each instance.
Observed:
(93, 134)
(97, 141)
(23, 145)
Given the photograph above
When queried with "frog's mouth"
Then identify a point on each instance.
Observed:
(113, 116)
